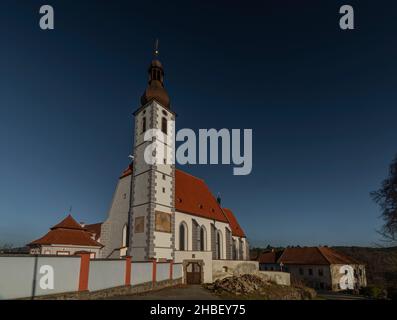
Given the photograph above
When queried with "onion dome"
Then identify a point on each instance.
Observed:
(155, 89)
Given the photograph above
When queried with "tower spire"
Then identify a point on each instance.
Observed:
(156, 48)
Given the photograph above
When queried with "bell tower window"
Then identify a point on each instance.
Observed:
(144, 125)
(164, 125)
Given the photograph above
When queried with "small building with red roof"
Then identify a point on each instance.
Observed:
(67, 238)
(322, 268)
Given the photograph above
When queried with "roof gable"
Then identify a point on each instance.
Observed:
(68, 223)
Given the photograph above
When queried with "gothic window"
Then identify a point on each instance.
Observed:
(144, 125)
(182, 237)
(218, 245)
(234, 249)
(202, 239)
(124, 244)
(164, 125)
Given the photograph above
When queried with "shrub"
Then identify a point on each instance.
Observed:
(374, 292)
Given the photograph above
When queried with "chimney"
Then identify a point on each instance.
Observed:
(82, 224)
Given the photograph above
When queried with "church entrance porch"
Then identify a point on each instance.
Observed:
(193, 271)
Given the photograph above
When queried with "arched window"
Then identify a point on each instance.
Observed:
(234, 249)
(218, 245)
(164, 125)
(124, 240)
(182, 237)
(203, 239)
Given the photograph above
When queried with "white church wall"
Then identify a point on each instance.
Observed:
(222, 227)
(164, 194)
(188, 219)
(111, 230)
(139, 239)
(141, 194)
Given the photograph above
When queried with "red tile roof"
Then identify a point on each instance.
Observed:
(68, 223)
(127, 172)
(193, 196)
(94, 229)
(268, 257)
(67, 232)
(237, 231)
(314, 256)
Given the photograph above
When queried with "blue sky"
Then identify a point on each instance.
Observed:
(321, 103)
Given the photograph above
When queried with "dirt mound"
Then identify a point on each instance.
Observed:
(251, 286)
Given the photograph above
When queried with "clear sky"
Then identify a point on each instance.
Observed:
(321, 103)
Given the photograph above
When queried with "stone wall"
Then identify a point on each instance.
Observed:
(278, 277)
(112, 292)
(226, 268)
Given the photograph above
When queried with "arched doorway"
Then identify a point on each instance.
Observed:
(194, 272)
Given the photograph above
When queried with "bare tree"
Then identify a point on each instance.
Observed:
(5, 246)
(386, 198)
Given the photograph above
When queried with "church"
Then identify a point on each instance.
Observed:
(159, 212)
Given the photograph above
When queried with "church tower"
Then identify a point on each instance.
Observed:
(152, 199)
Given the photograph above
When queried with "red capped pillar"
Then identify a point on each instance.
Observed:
(84, 270)
(128, 269)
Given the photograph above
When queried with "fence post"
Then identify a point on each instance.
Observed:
(154, 278)
(171, 269)
(84, 270)
(128, 267)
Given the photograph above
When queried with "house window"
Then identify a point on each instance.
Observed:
(144, 125)
(164, 126)
(163, 176)
(235, 250)
(182, 237)
(301, 271)
(124, 196)
(63, 253)
(320, 272)
(310, 271)
(163, 190)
